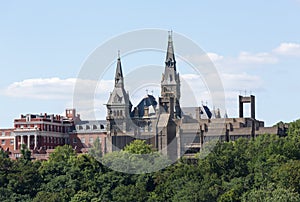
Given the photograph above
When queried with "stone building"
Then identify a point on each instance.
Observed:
(171, 129)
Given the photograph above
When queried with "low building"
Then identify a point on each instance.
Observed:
(7, 139)
(86, 133)
(41, 133)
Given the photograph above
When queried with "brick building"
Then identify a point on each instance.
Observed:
(86, 133)
(41, 133)
(7, 139)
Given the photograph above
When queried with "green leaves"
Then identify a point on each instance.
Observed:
(138, 147)
(264, 169)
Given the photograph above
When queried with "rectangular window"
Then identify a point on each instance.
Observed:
(3, 133)
(3, 142)
(83, 140)
(91, 140)
(74, 140)
(12, 142)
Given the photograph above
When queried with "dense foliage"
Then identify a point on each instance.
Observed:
(264, 169)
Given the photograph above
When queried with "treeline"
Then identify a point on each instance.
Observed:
(264, 169)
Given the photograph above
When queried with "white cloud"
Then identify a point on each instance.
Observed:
(240, 82)
(204, 58)
(288, 49)
(47, 88)
(215, 57)
(89, 106)
(54, 88)
(257, 58)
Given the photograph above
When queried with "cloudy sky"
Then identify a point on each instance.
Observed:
(255, 46)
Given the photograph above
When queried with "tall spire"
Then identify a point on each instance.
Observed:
(119, 80)
(170, 84)
(170, 57)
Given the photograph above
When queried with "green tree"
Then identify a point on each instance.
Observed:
(288, 175)
(47, 197)
(137, 157)
(26, 153)
(5, 168)
(96, 150)
(294, 128)
(24, 178)
(138, 147)
(271, 193)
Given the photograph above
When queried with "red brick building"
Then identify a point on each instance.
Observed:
(41, 133)
(86, 133)
(7, 139)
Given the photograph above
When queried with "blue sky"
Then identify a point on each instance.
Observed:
(254, 44)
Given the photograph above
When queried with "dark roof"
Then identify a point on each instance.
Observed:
(149, 100)
(207, 111)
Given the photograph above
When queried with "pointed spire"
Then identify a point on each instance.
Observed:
(119, 74)
(170, 57)
(225, 115)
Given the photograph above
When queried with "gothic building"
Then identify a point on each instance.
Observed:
(170, 128)
(152, 121)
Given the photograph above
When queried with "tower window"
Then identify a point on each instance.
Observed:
(171, 78)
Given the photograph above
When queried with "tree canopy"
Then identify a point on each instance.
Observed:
(262, 169)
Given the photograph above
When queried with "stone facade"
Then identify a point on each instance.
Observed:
(172, 130)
